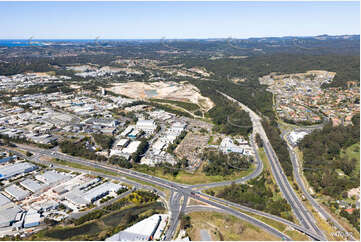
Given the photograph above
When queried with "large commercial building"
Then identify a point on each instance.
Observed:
(15, 169)
(121, 143)
(227, 146)
(177, 128)
(127, 131)
(8, 214)
(131, 148)
(147, 229)
(147, 126)
(101, 191)
(32, 185)
(52, 177)
(158, 146)
(7, 159)
(82, 198)
(32, 219)
(4, 200)
(16, 192)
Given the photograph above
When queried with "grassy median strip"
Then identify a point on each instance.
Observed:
(224, 227)
(293, 234)
(103, 171)
(199, 177)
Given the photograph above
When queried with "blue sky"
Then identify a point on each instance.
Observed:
(149, 20)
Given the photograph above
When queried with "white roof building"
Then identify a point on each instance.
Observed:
(16, 192)
(134, 134)
(121, 143)
(132, 147)
(8, 214)
(16, 169)
(101, 190)
(158, 146)
(82, 198)
(177, 128)
(141, 231)
(32, 185)
(127, 131)
(147, 126)
(4, 200)
(227, 145)
(51, 177)
(32, 219)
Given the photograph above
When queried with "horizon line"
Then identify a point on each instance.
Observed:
(185, 38)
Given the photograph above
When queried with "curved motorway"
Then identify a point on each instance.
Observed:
(296, 172)
(242, 216)
(309, 226)
(181, 189)
(302, 214)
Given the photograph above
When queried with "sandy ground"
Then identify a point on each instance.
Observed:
(184, 92)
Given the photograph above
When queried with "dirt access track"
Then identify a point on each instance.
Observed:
(184, 92)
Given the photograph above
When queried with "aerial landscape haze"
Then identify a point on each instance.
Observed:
(180, 121)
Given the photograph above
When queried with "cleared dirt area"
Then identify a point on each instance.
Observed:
(225, 227)
(191, 148)
(184, 92)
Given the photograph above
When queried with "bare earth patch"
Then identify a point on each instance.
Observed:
(184, 92)
(223, 227)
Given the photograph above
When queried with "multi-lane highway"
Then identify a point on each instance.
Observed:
(266, 215)
(302, 214)
(300, 183)
(177, 208)
(182, 189)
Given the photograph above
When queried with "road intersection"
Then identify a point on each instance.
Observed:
(181, 193)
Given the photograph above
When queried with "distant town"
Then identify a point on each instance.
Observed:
(185, 140)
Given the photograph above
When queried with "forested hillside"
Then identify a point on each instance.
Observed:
(321, 153)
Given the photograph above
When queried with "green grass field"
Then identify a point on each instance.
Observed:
(225, 227)
(199, 177)
(187, 106)
(351, 152)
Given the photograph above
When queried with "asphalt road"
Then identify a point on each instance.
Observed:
(302, 214)
(225, 209)
(172, 186)
(266, 215)
(175, 205)
(300, 183)
(186, 191)
(180, 191)
(254, 174)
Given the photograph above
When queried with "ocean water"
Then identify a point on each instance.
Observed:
(42, 42)
(13, 43)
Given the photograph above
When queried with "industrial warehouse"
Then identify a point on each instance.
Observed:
(31, 194)
(148, 229)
